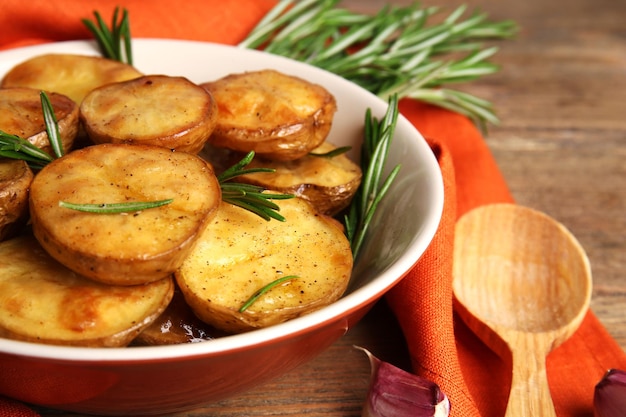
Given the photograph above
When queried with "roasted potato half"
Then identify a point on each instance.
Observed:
(124, 248)
(15, 179)
(276, 115)
(42, 301)
(68, 74)
(21, 115)
(156, 110)
(240, 253)
(328, 183)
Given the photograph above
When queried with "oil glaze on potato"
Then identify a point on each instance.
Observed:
(69, 74)
(21, 115)
(42, 301)
(156, 110)
(126, 248)
(276, 115)
(15, 179)
(177, 324)
(240, 253)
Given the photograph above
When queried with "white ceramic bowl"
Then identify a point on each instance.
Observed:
(149, 380)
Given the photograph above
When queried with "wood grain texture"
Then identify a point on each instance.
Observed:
(561, 146)
(522, 279)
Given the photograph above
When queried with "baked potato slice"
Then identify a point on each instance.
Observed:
(156, 110)
(15, 179)
(124, 248)
(278, 116)
(21, 115)
(72, 75)
(328, 183)
(239, 253)
(42, 301)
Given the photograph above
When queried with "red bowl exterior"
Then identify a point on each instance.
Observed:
(164, 385)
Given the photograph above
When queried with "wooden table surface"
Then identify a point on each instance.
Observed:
(561, 144)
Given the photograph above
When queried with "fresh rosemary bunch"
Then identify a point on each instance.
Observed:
(376, 143)
(114, 42)
(392, 52)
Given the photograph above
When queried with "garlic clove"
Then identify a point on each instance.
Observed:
(394, 392)
(609, 399)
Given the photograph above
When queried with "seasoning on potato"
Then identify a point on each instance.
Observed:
(156, 110)
(276, 115)
(44, 302)
(72, 75)
(235, 271)
(240, 253)
(124, 248)
(21, 115)
(328, 183)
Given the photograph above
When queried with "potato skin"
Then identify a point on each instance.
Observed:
(240, 253)
(327, 183)
(15, 179)
(42, 301)
(278, 116)
(127, 248)
(155, 110)
(72, 75)
(21, 115)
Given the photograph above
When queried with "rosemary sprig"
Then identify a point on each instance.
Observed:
(114, 42)
(392, 52)
(250, 197)
(265, 289)
(14, 147)
(376, 143)
(114, 208)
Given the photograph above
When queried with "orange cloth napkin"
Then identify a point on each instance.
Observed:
(441, 346)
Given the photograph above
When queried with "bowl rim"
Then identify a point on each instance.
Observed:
(337, 311)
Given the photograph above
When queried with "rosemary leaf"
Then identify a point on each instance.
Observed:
(331, 154)
(250, 197)
(265, 289)
(14, 147)
(115, 208)
(377, 140)
(52, 125)
(111, 39)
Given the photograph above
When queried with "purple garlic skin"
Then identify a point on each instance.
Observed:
(609, 399)
(394, 392)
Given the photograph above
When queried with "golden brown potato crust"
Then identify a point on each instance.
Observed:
(68, 74)
(15, 179)
(21, 115)
(240, 253)
(327, 183)
(42, 301)
(276, 115)
(126, 248)
(156, 110)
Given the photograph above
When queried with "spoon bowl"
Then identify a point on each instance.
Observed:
(523, 279)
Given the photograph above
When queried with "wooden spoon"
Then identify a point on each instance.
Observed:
(523, 279)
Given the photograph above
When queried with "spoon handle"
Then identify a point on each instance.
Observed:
(530, 393)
